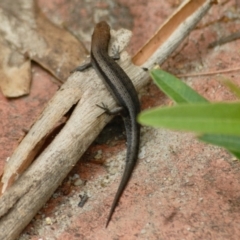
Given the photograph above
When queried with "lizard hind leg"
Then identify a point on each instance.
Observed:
(108, 111)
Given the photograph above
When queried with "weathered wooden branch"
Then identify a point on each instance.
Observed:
(33, 188)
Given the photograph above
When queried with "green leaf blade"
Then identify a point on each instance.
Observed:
(233, 87)
(232, 143)
(236, 154)
(175, 88)
(216, 118)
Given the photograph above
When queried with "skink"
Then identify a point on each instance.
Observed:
(123, 91)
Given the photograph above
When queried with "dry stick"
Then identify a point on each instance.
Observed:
(209, 73)
(224, 40)
(27, 195)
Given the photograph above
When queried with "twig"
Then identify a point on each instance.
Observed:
(224, 40)
(209, 73)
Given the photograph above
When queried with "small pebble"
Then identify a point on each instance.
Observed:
(48, 221)
(78, 182)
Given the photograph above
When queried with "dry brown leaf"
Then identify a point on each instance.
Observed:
(28, 32)
(15, 71)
